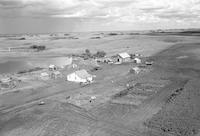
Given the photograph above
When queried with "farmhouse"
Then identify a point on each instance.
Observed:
(123, 57)
(80, 76)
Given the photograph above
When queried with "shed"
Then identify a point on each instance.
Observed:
(80, 76)
(7, 82)
(52, 67)
(107, 60)
(137, 60)
(123, 57)
(56, 74)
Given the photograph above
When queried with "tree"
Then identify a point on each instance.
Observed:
(100, 54)
(87, 51)
(39, 48)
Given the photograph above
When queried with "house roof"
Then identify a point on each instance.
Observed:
(124, 55)
(83, 74)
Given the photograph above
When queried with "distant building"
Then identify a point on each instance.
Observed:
(52, 67)
(137, 60)
(80, 76)
(123, 57)
(107, 60)
(56, 74)
(7, 82)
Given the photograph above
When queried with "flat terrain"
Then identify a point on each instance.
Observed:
(162, 100)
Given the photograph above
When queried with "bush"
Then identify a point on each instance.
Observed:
(33, 47)
(22, 38)
(87, 53)
(100, 54)
(113, 34)
(39, 48)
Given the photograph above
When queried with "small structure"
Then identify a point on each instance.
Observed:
(107, 60)
(41, 103)
(92, 98)
(7, 82)
(44, 76)
(135, 70)
(137, 60)
(123, 57)
(56, 74)
(52, 67)
(149, 63)
(81, 76)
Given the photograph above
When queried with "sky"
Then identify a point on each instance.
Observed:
(44, 16)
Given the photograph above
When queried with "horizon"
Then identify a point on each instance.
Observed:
(170, 30)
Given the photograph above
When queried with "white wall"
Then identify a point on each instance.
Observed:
(74, 78)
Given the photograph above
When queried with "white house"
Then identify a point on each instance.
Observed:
(80, 76)
(137, 60)
(123, 57)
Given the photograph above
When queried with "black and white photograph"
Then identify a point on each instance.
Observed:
(99, 67)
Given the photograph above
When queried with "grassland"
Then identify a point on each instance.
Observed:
(162, 100)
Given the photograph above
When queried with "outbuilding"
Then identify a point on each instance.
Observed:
(80, 76)
(52, 67)
(137, 60)
(7, 82)
(123, 57)
(56, 74)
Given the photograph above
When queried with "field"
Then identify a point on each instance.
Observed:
(161, 100)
